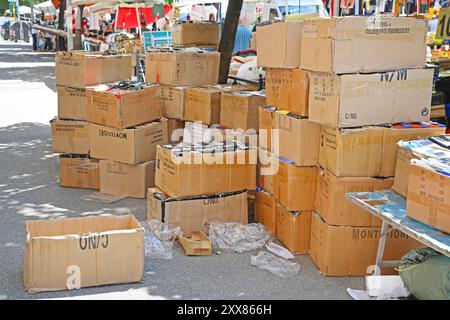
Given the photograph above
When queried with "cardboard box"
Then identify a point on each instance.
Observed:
(286, 37)
(299, 139)
(365, 152)
(428, 199)
(349, 251)
(101, 250)
(363, 44)
(195, 213)
(70, 136)
(295, 187)
(253, 43)
(71, 103)
(266, 169)
(294, 229)
(79, 69)
(197, 245)
(132, 146)
(175, 131)
(197, 33)
(130, 180)
(288, 89)
(172, 101)
(122, 108)
(416, 149)
(192, 173)
(335, 209)
(266, 117)
(203, 103)
(182, 67)
(266, 210)
(79, 172)
(240, 110)
(354, 100)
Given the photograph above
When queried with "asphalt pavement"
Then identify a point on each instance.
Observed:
(29, 189)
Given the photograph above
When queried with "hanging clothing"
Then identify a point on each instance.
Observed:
(158, 9)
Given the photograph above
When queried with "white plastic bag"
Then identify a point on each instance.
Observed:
(238, 237)
(159, 239)
(278, 266)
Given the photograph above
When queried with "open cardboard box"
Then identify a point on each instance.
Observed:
(197, 245)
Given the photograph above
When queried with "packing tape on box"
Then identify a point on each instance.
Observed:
(352, 89)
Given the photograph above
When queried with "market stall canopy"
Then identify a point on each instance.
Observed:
(24, 10)
(115, 2)
(127, 18)
(46, 6)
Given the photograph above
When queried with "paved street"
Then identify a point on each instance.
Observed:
(29, 189)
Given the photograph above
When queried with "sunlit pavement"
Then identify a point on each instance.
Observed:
(29, 190)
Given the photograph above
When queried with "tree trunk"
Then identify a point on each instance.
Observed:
(228, 36)
(77, 44)
(61, 40)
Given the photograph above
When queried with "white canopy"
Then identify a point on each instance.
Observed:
(24, 10)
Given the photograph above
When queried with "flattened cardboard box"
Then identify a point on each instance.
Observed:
(172, 101)
(299, 139)
(203, 103)
(266, 170)
(130, 180)
(349, 251)
(197, 33)
(79, 69)
(335, 209)
(123, 108)
(288, 89)
(106, 249)
(132, 146)
(428, 199)
(182, 68)
(71, 103)
(266, 210)
(240, 110)
(194, 213)
(294, 229)
(363, 44)
(286, 37)
(365, 152)
(266, 123)
(295, 187)
(79, 172)
(355, 100)
(70, 136)
(197, 173)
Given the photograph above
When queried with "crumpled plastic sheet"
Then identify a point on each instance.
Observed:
(159, 239)
(276, 265)
(237, 237)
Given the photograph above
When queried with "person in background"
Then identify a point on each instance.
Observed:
(243, 38)
(34, 34)
(167, 25)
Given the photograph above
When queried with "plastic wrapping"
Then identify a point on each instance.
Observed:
(159, 239)
(238, 237)
(278, 266)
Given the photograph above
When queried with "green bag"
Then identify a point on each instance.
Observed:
(426, 274)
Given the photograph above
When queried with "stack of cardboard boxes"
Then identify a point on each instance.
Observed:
(196, 34)
(350, 78)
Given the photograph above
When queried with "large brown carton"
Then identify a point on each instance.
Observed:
(279, 45)
(288, 89)
(266, 210)
(363, 44)
(197, 33)
(72, 253)
(122, 108)
(71, 103)
(132, 146)
(172, 101)
(195, 213)
(266, 170)
(295, 187)
(354, 100)
(130, 180)
(79, 69)
(266, 123)
(299, 139)
(367, 151)
(70, 136)
(335, 209)
(428, 199)
(182, 68)
(349, 251)
(79, 172)
(192, 173)
(240, 110)
(294, 229)
(203, 103)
